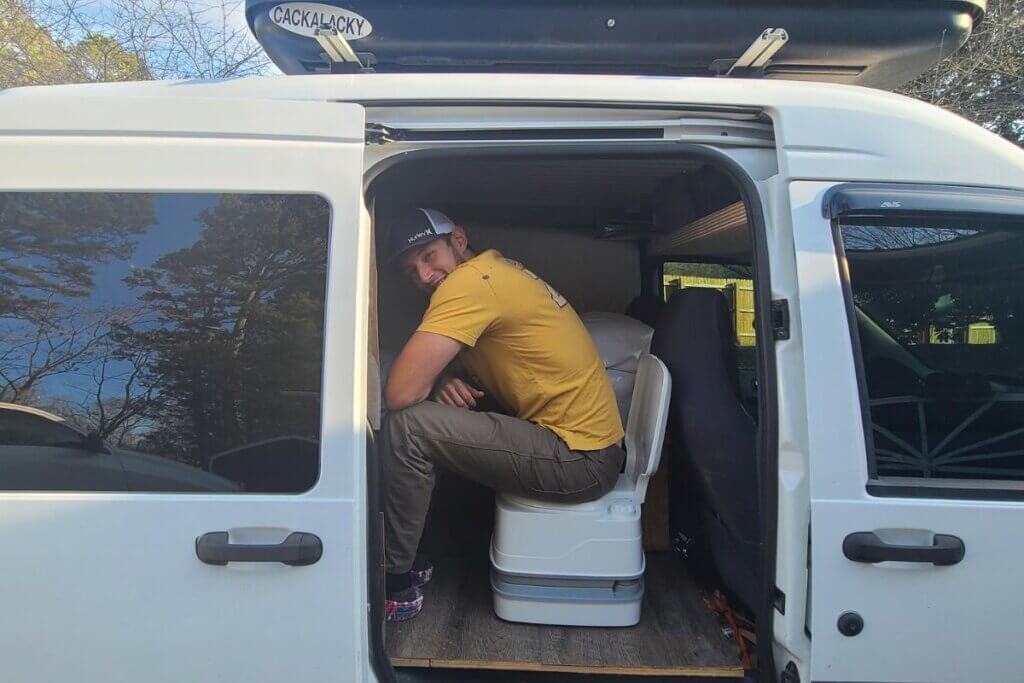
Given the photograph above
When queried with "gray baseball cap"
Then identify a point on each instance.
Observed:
(414, 227)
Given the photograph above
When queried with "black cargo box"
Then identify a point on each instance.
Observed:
(880, 43)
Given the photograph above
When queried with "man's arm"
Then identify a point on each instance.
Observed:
(417, 367)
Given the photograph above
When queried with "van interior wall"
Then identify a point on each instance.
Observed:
(593, 274)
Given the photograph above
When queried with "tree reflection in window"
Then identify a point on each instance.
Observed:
(183, 326)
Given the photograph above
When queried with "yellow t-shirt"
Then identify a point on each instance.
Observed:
(528, 348)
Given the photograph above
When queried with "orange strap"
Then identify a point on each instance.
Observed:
(717, 602)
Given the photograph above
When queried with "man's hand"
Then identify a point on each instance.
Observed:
(452, 391)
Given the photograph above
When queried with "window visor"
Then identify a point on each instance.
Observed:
(892, 199)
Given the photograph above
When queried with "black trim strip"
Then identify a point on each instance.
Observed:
(487, 134)
(953, 489)
(767, 375)
(767, 426)
(875, 199)
(703, 259)
(756, 113)
(815, 69)
(379, 660)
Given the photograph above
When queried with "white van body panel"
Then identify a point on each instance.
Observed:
(922, 622)
(824, 131)
(782, 133)
(105, 587)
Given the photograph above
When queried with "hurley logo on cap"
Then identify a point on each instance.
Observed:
(425, 233)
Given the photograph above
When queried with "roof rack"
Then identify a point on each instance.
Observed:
(877, 43)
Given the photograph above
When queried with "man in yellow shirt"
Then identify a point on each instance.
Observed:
(517, 341)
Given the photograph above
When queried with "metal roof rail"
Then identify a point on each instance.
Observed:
(342, 57)
(756, 57)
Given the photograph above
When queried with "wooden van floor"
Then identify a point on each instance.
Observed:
(677, 634)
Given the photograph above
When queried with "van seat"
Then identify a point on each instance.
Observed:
(714, 438)
(583, 564)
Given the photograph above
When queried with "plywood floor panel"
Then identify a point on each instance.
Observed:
(677, 634)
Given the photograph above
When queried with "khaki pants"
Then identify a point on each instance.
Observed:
(505, 453)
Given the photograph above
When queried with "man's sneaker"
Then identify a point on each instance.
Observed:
(422, 572)
(403, 604)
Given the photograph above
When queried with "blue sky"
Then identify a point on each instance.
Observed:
(176, 227)
(236, 14)
(214, 11)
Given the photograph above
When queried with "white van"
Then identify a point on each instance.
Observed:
(189, 270)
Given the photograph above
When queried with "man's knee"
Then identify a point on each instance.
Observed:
(430, 419)
(410, 430)
(400, 423)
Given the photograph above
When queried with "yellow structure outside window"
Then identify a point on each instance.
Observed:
(975, 333)
(739, 292)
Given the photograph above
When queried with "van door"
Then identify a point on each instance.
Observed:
(913, 344)
(182, 400)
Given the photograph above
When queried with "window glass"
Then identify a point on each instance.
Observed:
(157, 342)
(939, 312)
(734, 281)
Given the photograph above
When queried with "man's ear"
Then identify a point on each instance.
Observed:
(459, 240)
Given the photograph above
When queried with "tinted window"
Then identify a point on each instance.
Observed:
(161, 342)
(940, 321)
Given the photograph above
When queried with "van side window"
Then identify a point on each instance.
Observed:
(939, 319)
(736, 282)
(159, 342)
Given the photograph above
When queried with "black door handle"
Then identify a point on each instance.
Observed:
(298, 550)
(866, 546)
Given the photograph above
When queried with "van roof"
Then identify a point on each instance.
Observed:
(371, 88)
(828, 131)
